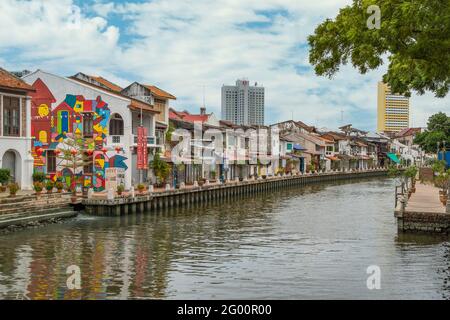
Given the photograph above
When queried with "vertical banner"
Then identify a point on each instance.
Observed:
(142, 154)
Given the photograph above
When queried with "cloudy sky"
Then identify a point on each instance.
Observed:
(188, 47)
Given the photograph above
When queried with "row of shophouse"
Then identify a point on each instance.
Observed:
(41, 112)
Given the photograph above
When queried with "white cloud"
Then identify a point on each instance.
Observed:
(184, 45)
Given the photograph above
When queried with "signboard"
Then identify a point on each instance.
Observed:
(142, 154)
(114, 177)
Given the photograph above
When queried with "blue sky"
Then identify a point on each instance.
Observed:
(185, 45)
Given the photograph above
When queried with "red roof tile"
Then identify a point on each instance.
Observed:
(10, 81)
(106, 83)
(159, 92)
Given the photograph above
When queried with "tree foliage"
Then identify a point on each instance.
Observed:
(414, 35)
(160, 168)
(438, 132)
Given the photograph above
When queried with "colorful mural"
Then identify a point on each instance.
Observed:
(50, 127)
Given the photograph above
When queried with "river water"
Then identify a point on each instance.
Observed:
(299, 243)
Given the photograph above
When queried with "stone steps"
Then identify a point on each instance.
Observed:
(34, 211)
(22, 220)
(25, 209)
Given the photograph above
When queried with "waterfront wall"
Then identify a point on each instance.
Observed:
(424, 222)
(224, 192)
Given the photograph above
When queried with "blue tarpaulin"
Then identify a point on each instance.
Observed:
(445, 156)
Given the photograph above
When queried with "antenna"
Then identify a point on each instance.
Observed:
(204, 104)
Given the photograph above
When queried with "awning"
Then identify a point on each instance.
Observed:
(393, 157)
(298, 147)
(333, 158)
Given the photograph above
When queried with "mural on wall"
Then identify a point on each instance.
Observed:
(50, 127)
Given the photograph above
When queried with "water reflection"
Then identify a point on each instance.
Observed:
(310, 242)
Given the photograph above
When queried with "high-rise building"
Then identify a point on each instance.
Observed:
(243, 104)
(393, 110)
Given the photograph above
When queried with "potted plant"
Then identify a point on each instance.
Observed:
(38, 177)
(411, 173)
(141, 187)
(13, 188)
(59, 186)
(120, 189)
(5, 176)
(49, 186)
(38, 187)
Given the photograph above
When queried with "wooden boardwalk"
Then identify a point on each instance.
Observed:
(425, 199)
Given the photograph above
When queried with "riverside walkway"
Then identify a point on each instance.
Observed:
(423, 211)
(425, 199)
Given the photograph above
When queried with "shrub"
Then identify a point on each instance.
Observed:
(59, 185)
(120, 189)
(49, 185)
(38, 186)
(141, 187)
(13, 188)
(5, 176)
(38, 177)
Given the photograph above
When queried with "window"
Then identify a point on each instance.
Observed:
(116, 126)
(88, 125)
(51, 161)
(11, 116)
(88, 163)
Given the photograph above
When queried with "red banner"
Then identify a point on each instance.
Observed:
(142, 154)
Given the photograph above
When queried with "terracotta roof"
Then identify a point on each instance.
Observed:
(408, 132)
(10, 81)
(106, 83)
(159, 92)
(186, 116)
(138, 105)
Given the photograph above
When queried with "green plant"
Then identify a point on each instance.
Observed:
(438, 166)
(393, 171)
(59, 185)
(141, 187)
(13, 188)
(5, 176)
(49, 185)
(160, 168)
(38, 186)
(120, 189)
(38, 177)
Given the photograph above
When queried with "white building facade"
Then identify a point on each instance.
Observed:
(243, 104)
(15, 129)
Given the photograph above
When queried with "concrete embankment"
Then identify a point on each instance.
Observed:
(212, 192)
(422, 212)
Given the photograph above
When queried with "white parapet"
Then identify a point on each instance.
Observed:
(167, 187)
(196, 184)
(110, 194)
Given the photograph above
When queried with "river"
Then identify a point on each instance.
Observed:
(313, 242)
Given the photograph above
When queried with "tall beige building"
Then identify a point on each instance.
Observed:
(393, 110)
